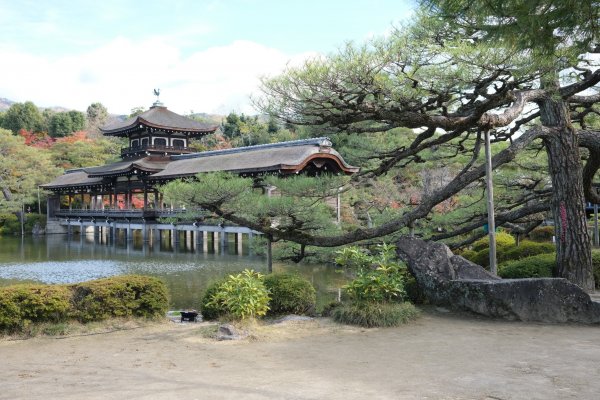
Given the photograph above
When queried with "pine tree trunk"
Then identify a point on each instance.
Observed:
(573, 246)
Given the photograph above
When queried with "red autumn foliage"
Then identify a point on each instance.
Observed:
(39, 139)
(79, 136)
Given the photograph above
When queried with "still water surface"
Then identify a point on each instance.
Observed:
(187, 273)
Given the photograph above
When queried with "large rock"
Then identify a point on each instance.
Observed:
(450, 280)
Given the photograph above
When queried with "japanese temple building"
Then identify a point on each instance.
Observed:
(124, 195)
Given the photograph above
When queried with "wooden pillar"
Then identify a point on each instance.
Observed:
(189, 239)
(205, 242)
(223, 241)
(145, 197)
(198, 240)
(250, 237)
(216, 242)
(238, 242)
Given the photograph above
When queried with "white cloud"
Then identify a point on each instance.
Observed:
(122, 73)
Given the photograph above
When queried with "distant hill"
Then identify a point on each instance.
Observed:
(6, 103)
(208, 118)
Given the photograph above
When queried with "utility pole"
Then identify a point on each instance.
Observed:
(490, 203)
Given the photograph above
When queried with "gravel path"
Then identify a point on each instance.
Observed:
(440, 356)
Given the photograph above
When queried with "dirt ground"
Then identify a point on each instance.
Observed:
(440, 356)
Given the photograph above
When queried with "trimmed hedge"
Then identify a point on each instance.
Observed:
(507, 252)
(503, 240)
(290, 294)
(524, 250)
(371, 315)
(540, 266)
(132, 295)
(120, 296)
(21, 305)
(542, 234)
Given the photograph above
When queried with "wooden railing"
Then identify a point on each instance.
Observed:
(117, 213)
(126, 151)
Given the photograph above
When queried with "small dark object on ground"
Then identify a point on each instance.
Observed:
(230, 332)
(189, 315)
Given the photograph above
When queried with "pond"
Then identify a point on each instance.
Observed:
(57, 259)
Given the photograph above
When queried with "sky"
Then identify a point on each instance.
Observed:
(204, 55)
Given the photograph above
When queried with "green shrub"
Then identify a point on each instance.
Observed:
(468, 254)
(354, 257)
(481, 257)
(210, 310)
(243, 295)
(120, 296)
(21, 305)
(383, 284)
(542, 234)
(329, 307)
(540, 266)
(379, 278)
(374, 314)
(503, 240)
(524, 250)
(9, 223)
(596, 266)
(505, 251)
(290, 294)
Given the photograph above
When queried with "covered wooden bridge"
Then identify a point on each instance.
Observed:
(123, 196)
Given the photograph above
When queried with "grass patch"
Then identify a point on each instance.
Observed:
(208, 331)
(370, 315)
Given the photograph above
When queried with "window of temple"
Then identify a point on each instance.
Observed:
(144, 142)
(160, 141)
(134, 143)
(178, 143)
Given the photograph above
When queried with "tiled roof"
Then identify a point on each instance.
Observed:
(161, 118)
(284, 158)
(276, 158)
(148, 164)
(73, 178)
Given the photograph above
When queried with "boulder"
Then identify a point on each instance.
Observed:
(230, 332)
(450, 280)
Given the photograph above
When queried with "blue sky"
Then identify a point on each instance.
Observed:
(205, 55)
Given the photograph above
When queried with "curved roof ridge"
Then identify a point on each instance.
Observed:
(320, 141)
(161, 118)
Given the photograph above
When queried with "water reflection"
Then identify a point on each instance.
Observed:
(186, 269)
